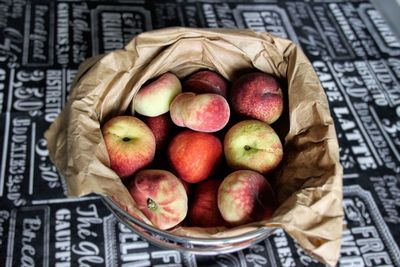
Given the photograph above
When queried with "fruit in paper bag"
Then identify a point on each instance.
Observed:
(206, 81)
(161, 196)
(204, 210)
(203, 112)
(130, 144)
(252, 145)
(194, 155)
(257, 95)
(162, 128)
(155, 98)
(245, 196)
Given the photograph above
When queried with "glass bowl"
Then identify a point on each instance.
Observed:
(195, 245)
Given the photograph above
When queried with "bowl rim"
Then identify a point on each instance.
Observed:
(115, 208)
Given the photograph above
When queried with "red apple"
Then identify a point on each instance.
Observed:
(161, 196)
(257, 95)
(194, 155)
(206, 81)
(130, 144)
(245, 196)
(204, 210)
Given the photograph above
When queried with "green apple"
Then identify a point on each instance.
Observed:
(252, 145)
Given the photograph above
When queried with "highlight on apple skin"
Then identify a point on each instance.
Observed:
(245, 196)
(257, 95)
(206, 81)
(161, 196)
(194, 156)
(130, 144)
(203, 112)
(155, 98)
(252, 145)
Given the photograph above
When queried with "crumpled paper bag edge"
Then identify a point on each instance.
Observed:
(182, 32)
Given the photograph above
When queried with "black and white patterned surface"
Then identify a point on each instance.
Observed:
(42, 43)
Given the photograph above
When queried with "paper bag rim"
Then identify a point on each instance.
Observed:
(282, 57)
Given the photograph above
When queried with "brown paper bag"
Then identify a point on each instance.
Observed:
(309, 185)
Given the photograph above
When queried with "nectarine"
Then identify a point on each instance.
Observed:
(194, 155)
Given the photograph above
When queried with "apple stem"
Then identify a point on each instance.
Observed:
(151, 204)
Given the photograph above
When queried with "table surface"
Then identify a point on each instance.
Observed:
(42, 43)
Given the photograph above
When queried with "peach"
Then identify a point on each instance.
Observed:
(245, 196)
(194, 155)
(130, 144)
(155, 98)
(258, 96)
(252, 145)
(204, 210)
(161, 197)
(206, 81)
(203, 112)
(162, 127)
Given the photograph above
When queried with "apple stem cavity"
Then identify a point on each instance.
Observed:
(126, 139)
(151, 204)
(247, 148)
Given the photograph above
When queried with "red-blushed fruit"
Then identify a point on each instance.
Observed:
(206, 81)
(161, 197)
(130, 144)
(252, 145)
(194, 155)
(162, 128)
(257, 95)
(203, 112)
(245, 196)
(155, 98)
(203, 211)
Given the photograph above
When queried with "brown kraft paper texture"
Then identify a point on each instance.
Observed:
(309, 184)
